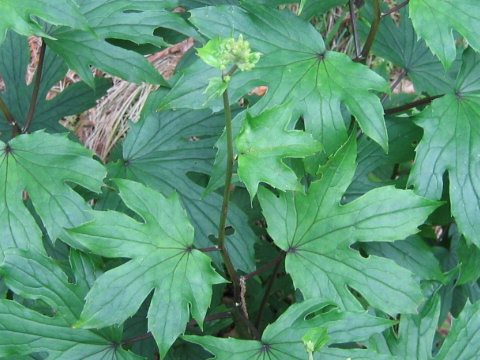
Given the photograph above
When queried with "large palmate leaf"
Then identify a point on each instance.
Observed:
(41, 164)
(18, 15)
(76, 98)
(317, 232)
(400, 45)
(434, 20)
(24, 331)
(295, 66)
(451, 142)
(116, 19)
(262, 144)
(282, 340)
(162, 148)
(163, 261)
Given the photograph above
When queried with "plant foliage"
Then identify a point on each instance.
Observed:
(329, 217)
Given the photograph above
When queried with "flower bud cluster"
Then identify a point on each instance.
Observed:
(239, 53)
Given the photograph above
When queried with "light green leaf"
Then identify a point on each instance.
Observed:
(451, 142)
(41, 164)
(400, 45)
(162, 148)
(316, 231)
(434, 20)
(24, 331)
(19, 16)
(262, 144)
(295, 66)
(161, 255)
(117, 19)
(215, 89)
(412, 253)
(76, 98)
(283, 339)
(210, 52)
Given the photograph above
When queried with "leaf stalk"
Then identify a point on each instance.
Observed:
(373, 31)
(36, 88)
(395, 8)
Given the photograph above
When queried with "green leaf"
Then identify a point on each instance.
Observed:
(41, 164)
(434, 20)
(416, 333)
(262, 144)
(210, 52)
(316, 231)
(76, 98)
(117, 19)
(463, 342)
(295, 66)
(412, 253)
(282, 340)
(403, 134)
(161, 255)
(215, 89)
(451, 142)
(316, 8)
(399, 44)
(25, 331)
(162, 148)
(19, 16)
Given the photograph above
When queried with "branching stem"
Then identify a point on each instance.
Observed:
(265, 267)
(395, 84)
(412, 105)
(395, 8)
(36, 88)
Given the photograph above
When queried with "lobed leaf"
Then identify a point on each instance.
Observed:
(162, 261)
(24, 331)
(262, 144)
(283, 339)
(41, 164)
(316, 231)
(450, 143)
(434, 20)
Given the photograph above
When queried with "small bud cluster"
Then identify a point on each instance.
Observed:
(239, 53)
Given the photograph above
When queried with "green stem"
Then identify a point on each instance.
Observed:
(226, 196)
(373, 31)
(36, 88)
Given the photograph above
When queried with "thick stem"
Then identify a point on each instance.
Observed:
(412, 105)
(395, 8)
(36, 89)
(9, 117)
(395, 84)
(355, 28)
(373, 31)
(226, 195)
(267, 294)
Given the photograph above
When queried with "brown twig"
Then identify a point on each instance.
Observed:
(355, 28)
